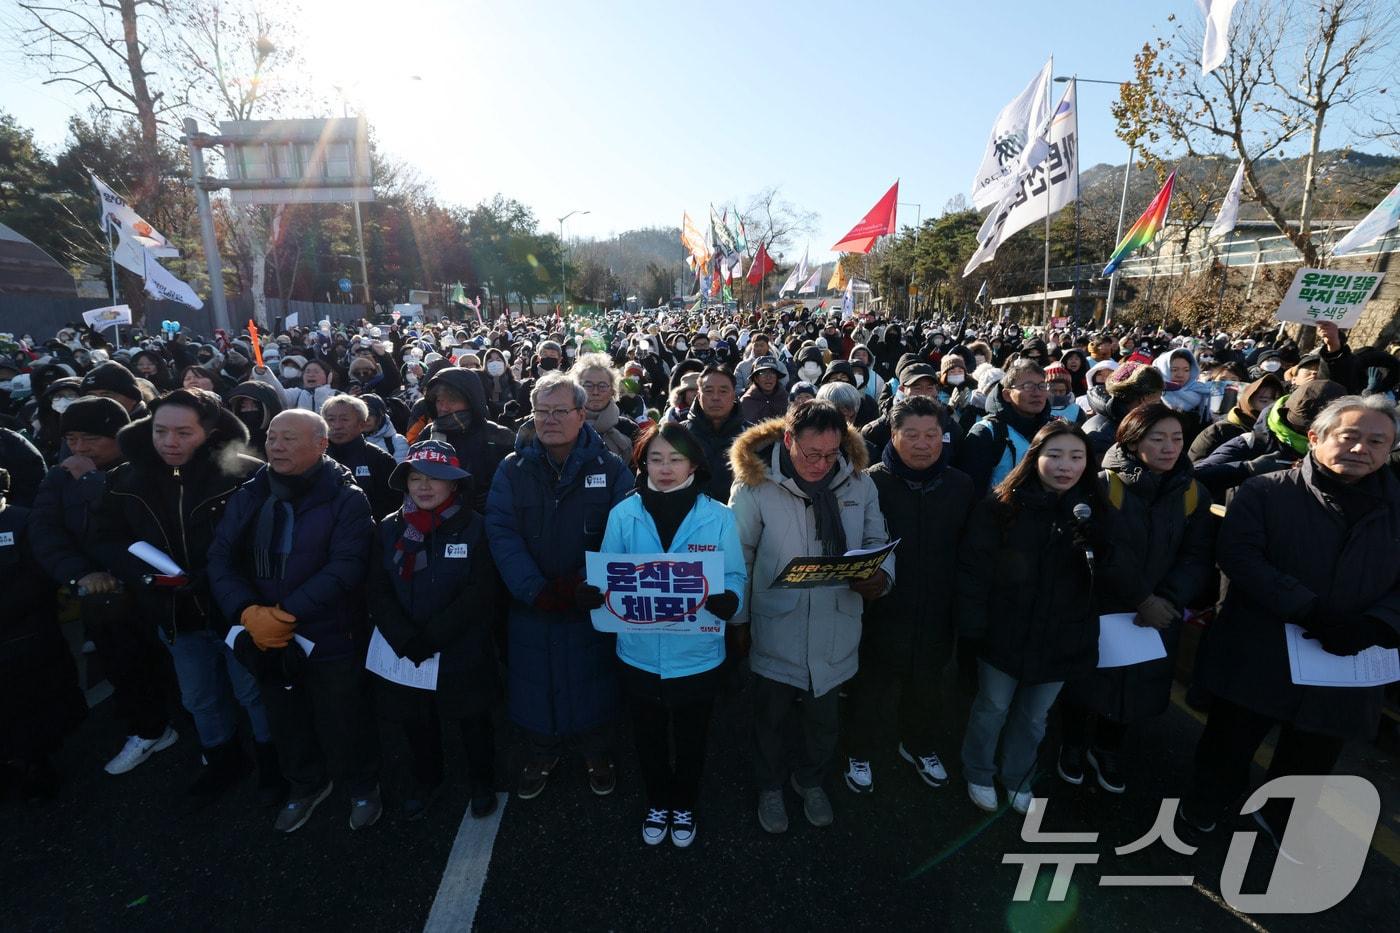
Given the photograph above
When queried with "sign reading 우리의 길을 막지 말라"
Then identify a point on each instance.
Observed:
(656, 593)
(1328, 295)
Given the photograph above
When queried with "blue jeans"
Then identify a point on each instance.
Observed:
(210, 679)
(999, 697)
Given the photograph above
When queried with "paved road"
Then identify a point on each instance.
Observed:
(126, 853)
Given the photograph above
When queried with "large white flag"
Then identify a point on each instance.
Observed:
(1046, 179)
(1216, 46)
(1017, 123)
(1374, 225)
(115, 206)
(130, 250)
(810, 286)
(162, 285)
(1229, 208)
(791, 283)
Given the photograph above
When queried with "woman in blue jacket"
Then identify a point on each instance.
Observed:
(432, 591)
(670, 680)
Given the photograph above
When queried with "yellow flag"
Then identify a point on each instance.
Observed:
(838, 279)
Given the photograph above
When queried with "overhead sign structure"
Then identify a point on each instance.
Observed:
(1327, 295)
(297, 161)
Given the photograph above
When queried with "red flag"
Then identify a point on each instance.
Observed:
(879, 222)
(762, 265)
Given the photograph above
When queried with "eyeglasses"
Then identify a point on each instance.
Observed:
(1032, 387)
(554, 414)
(596, 386)
(817, 457)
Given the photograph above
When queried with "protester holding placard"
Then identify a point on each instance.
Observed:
(1318, 546)
(1025, 596)
(432, 591)
(1157, 526)
(670, 680)
(799, 491)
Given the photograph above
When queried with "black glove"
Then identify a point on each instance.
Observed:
(588, 597)
(1269, 463)
(723, 605)
(1349, 635)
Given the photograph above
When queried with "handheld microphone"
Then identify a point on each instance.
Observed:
(1082, 514)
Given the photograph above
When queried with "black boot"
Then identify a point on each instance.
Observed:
(272, 786)
(224, 766)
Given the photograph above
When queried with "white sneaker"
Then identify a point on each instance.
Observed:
(984, 795)
(655, 826)
(930, 767)
(1023, 801)
(859, 777)
(682, 828)
(137, 750)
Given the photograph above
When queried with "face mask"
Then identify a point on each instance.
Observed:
(548, 363)
(860, 381)
(61, 403)
(291, 372)
(956, 379)
(1061, 402)
(680, 346)
(5, 385)
(1271, 366)
(571, 352)
(410, 379)
(495, 367)
(252, 420)
(980, 360)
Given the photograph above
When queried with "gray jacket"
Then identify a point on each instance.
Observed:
(808, 638)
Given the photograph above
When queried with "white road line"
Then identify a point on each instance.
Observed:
(458, 895)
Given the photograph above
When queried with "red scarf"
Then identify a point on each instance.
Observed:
(410, 553)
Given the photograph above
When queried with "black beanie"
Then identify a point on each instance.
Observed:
(112, 377)
(94, 415)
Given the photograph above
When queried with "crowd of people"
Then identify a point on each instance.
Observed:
(437, 485)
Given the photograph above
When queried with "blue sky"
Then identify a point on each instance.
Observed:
(636, 111)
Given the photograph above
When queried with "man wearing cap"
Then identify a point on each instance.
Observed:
(548, 504)
(914, 380)
(289, 559)
(63, 533)
(116, 382)
(1278, 441)
(759, 348)
(346, 418)
(766, 396)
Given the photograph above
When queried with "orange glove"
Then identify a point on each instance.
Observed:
(268, 626)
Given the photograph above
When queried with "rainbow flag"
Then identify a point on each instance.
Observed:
(1146, 228)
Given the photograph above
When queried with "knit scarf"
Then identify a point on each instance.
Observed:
(830, 531)
(668, 508)
(891, 459)
(272, 537)
(1285, 434)
(411, 550)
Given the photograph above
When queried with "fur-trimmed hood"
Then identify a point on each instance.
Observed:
(751, 455)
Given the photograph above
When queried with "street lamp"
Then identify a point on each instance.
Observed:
(563, 270)
(1122, 201)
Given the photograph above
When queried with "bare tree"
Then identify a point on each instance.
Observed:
(772, 219)
(1293, 66)
(105, 48)
(229, 58)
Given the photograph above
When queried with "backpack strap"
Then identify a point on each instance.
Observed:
(1191, 498)
(1116, 490)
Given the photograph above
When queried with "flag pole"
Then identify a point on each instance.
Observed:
(1045, 283)
(112, 260)
(1225, 273)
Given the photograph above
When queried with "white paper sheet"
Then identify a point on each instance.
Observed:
(381, 660)
(143, 550)
(1122, 643)
(1312, 666)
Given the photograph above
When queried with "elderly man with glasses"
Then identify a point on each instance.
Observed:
(1015, 412)
(549, 503)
